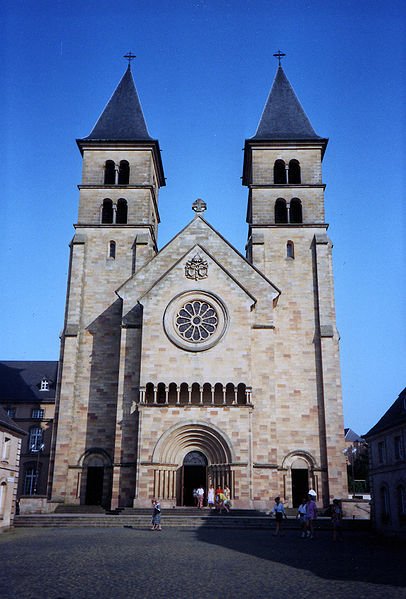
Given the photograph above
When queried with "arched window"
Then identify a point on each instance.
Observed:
(290, 250)
(281, 211)
(279, 172)
(294, 172)
(241, 394)
(184, 393)
(124, 173)
(218, 394)
(122, 210)
(296, 211)
(172, 393)
(107, 212)
(3, 493)
(109, 173)
(112, 249)
(161, 393)
(195, 393)
(207, 393)
(230, 393)
(149, 393)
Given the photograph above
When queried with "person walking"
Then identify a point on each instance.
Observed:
(227, 500)
(279, 513)
(301, 515)
(311, 513)
(336, 520)
(200, 497)
(210, 496)
(156, 515)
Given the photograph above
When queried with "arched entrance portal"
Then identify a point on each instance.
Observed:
(95, 482)
(190, 454)
(300, 481)
(194, 475)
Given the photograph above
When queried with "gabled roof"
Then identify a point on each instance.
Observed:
(283, 116)
(199, 233)
(21, 381)
(351, 436)
(395, 416)
(9, 424)
(122, 119)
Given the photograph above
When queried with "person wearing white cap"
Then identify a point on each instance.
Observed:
(311, 513)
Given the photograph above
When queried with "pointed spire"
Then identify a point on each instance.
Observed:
(283, 116)
(122, 119)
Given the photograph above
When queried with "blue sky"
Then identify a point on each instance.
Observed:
(203, 72)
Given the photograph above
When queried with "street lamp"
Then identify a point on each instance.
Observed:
(37, 450)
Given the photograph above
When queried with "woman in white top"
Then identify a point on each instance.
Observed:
(210, 497)
(301, 514)
(279, 513)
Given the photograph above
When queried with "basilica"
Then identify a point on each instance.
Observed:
(193, 364)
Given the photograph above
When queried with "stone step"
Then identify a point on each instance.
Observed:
(187, 511)
(143, 521)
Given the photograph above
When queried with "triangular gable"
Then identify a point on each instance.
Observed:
(198, 233)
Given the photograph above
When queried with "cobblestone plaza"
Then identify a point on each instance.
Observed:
(125, 563)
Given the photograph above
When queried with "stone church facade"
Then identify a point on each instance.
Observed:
(194, 364)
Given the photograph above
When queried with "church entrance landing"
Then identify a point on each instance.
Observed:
(194, 475)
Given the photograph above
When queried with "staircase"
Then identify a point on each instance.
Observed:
(172, 518)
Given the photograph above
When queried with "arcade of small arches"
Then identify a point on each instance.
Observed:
(286, 173)
(196, 394)
(116, 174)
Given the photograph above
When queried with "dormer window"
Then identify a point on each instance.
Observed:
(44, 385)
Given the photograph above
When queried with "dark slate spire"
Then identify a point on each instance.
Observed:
(283, 116)
(122, 119)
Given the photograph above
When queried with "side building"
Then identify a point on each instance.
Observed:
(10, 448)
(387, 461)
(27, 395)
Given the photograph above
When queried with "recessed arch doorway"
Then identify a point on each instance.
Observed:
(191, 454)
(194, 475)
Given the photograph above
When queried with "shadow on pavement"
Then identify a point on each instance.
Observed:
(358, 557)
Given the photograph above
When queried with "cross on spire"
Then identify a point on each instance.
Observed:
(279, 55)
(129, 56)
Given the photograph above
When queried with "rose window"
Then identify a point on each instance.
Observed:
(196, 321)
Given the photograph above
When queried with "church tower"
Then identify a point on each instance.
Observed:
(288, 242)
(116, 234)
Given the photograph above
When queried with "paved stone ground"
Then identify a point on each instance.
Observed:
(125, 563)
